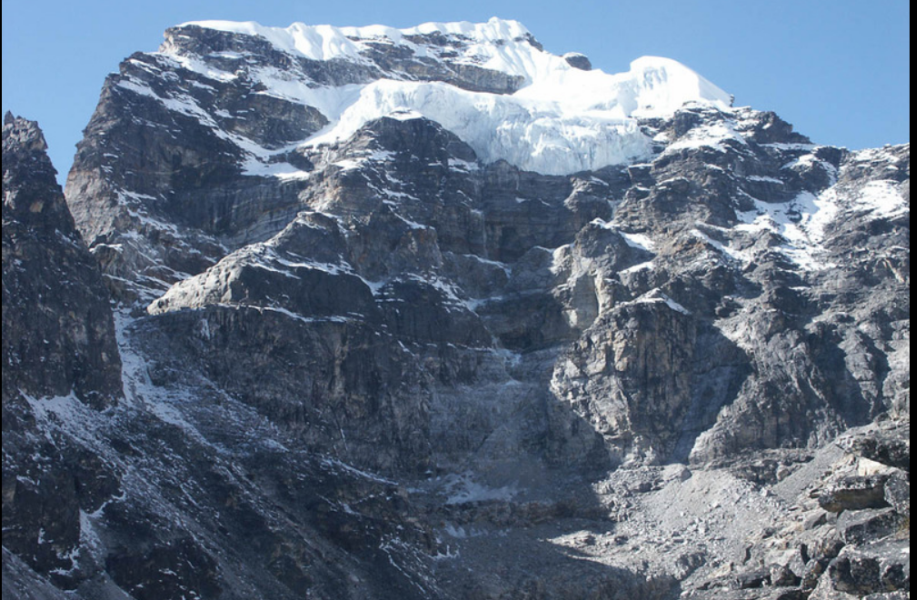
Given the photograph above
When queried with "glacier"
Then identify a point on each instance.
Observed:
(562, 119)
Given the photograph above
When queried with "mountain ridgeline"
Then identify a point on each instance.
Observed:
(367, 313)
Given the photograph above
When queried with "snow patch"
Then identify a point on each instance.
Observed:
(644, 266)
(764, 178)
(801, 222)
(712, 135)
(722, 248)
(641, 241)
(655, 296)
(882, 198)
(463, 488)
(334, 464)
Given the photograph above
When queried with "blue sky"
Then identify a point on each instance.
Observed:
(837, 69)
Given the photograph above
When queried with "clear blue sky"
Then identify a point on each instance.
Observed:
(837, 69)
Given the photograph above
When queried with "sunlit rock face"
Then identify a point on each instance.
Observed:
(434, 313)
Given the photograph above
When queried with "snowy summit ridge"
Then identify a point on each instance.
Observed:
(326, 42)
(555, 118)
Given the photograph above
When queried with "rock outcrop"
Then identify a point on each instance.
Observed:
(58, 334)
(59, 351)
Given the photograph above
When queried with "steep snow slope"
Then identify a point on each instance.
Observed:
(562, 119)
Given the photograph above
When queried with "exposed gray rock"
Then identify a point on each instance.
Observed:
(883, 566)
(59, 350)
(860, 526)
(580, 61)
(58, 334)
(631, 375)
(21, 582)
(898, 493)
(854, 493)
(814, 570)
(889, 444)
(381, 368)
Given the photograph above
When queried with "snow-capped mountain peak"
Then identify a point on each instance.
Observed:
(327, 42)
(490, 83)
(320, 342)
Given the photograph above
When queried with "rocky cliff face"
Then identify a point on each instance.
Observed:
(386, 333)
(59, 349)
(58, 335)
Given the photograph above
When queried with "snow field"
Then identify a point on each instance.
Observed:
(562, 120)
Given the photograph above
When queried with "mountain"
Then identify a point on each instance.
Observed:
(60, 356)
(434, 313)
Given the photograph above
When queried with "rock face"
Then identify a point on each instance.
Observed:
(59, 349)
(368, 355)
(58, 334)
